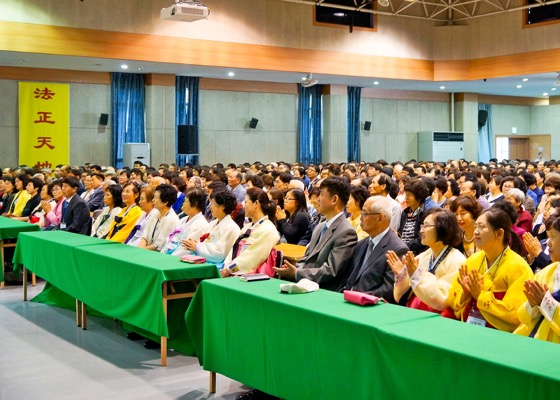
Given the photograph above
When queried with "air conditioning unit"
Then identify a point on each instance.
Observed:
(187, 12)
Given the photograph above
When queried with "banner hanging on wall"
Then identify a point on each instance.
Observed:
(44, 124)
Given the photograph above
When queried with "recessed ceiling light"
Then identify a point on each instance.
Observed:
(140, 68)
(545, 94)
(525, 79)
(97, 65)
(231, 74)
(553, 88)
(124, 66)
(339, 14)
(519, 86)
(23, 60)
(442, 87)
(376, 83)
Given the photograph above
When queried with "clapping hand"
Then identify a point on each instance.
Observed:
(532, 245)
(395, 263)
(535, 292)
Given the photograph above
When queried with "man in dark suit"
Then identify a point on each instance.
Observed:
(75, 213)
(369, 271)
(95, 201)
(330, 249)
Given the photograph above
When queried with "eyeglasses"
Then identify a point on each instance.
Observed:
(424, 226)
(369, 213)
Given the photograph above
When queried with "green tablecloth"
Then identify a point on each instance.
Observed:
(10, 229)
(120, 281)
(316, 346)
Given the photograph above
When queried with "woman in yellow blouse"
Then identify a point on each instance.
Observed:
(358, 196)
(489, 287)
(125, 221)
(538, 315)
(21, 197)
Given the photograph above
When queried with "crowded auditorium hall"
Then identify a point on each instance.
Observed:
(279, 199)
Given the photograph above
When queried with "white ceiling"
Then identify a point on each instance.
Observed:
(535, 86)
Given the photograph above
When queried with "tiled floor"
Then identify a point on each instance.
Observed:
(43, 355)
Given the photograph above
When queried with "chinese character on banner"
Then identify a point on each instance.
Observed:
(44, 117)
(44, 141)
(44, 123)
(42, 165)
(44, 94)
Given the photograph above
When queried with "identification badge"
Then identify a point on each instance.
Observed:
(63, 225)
(476, 318)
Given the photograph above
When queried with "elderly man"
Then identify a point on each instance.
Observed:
(381, 185)
(369, 271)
(234, 184)
(330, 249)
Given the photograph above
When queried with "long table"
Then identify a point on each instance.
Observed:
(123, 282)
(9, 230)
(317, 346)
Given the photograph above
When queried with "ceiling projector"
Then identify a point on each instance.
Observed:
(185, 11)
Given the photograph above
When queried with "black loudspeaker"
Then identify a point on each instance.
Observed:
(367, 125)
(482, 117)
(253, 123)
(103, 119)
(187, 139)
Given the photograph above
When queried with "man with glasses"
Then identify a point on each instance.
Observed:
(369, 271)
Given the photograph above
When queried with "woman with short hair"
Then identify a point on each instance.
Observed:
(293, 220)
(218, 239)
(429, 275)
(112, 198)
(160, 227)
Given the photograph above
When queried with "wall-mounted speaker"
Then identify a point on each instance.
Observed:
(103, 119)
(253, 123)
(482, 118)
(367, 125)
(187, 139)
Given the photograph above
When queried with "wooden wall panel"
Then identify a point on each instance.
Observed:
(230, 85)
(372, 93)
(54, 75)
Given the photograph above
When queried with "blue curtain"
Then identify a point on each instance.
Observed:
(186, 112)
(354, 97)
(128, 122)
(485, 136)
(310, 130)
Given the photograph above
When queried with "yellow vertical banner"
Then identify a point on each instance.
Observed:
(44, 124)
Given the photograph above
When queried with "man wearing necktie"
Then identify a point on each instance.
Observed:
(369, 271)
(330, 249)
(75, 212)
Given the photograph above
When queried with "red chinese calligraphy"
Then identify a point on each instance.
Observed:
(44, 141)
(45, 94)
(44, 117)
(45, 164)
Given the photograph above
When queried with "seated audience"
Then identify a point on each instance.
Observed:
(75, 213)
(192, 226)
(369, 271)
(8, 194)
(255, 242)
(53, 211)
(358, 196)
(125, 222)
(112, 198)
(466, 210)
(489, 287)
(21, 196)
(293, 220)
(524, 220)
(158, 228)
(538, 315)
(217, 241)
(423, 282)
(416, 191)
(329, 252)
(33, 188)
(146, 204)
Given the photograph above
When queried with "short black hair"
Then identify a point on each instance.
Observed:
(197, 198)
(167, 194)
(337, 186)
(37, 183)
(225, 198)
(72, 182)
(418, 188)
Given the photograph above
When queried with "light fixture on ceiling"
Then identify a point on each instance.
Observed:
(519, 86)
(525, 79)
(557, 81)
(339, 14)
(231, 74)
(383, 3)
(124, 66)
(442, 87)
(308, 81)
(545, 94)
